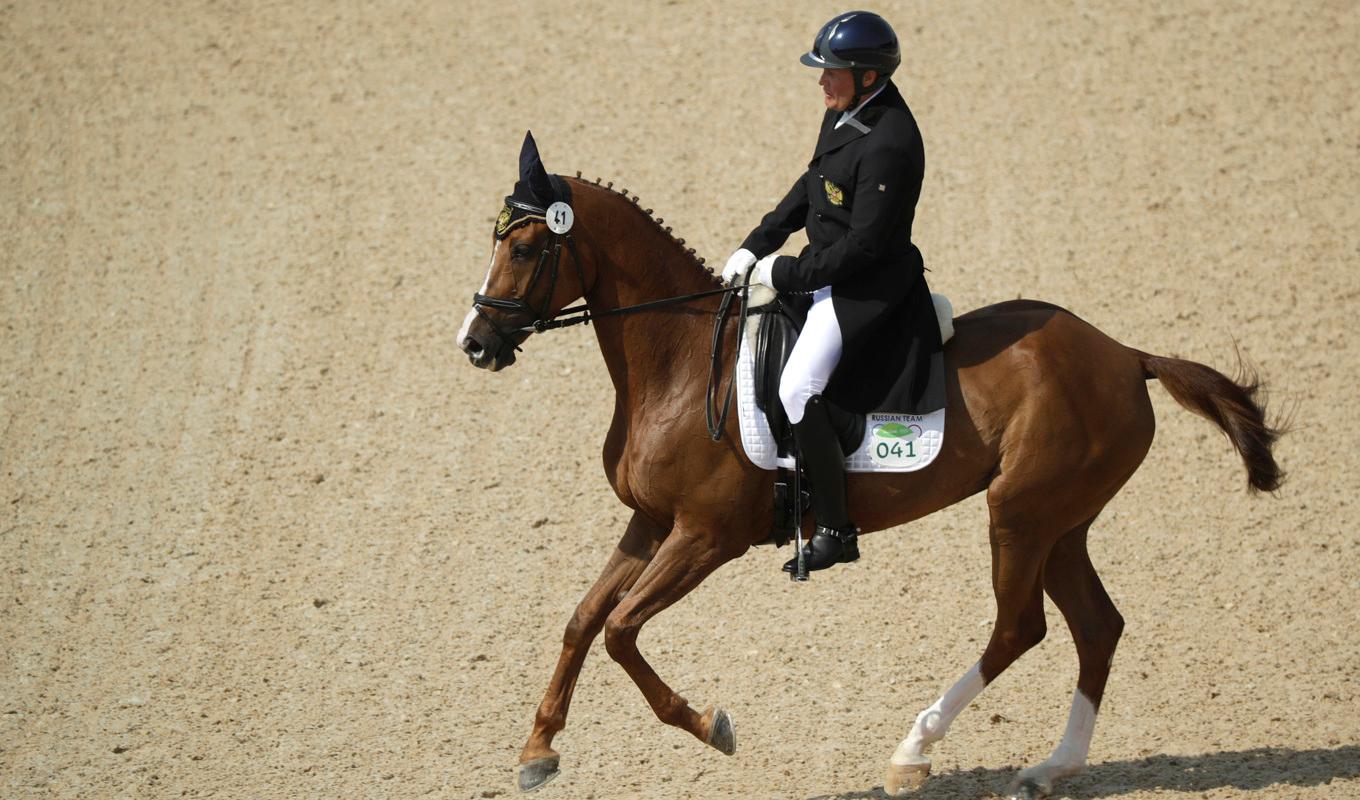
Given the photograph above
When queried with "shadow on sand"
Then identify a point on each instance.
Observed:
(1240, 769)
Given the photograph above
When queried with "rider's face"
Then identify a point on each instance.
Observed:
(838, 87)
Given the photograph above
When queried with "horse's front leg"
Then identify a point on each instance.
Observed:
(538, 761)
(682, 563)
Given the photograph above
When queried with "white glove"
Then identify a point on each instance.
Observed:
(737, 265)
(764, 271)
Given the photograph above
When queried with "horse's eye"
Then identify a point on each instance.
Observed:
(520, 252)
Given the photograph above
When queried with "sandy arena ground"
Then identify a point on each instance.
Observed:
(265, 533)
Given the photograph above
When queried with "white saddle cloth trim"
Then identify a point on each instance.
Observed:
(944, 312)
(756, 438)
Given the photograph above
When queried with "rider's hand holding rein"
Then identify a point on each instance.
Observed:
(737, 265)
(742, 261)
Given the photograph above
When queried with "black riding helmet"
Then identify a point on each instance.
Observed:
(858, 41)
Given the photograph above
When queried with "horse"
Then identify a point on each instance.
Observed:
(1045, 413)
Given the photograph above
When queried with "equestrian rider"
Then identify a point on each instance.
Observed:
(857, 200)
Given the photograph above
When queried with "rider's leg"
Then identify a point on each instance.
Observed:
(813, 359)
(809, 368)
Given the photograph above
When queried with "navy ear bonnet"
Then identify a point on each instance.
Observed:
(534, 191)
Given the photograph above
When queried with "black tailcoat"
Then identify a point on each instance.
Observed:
(857, 201)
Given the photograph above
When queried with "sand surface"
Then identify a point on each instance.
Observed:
(265, 533)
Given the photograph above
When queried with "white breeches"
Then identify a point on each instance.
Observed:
(814, 357)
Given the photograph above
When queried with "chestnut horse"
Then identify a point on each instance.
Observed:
(1045, 413)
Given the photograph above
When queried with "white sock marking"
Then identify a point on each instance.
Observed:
(1070, 755)
(472, 313)
(932, 723)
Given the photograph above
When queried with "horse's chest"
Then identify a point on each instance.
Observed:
(650, 474)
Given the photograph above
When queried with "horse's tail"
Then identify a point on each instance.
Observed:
(1231, 405)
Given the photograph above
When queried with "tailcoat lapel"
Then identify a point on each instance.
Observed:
(832, 137)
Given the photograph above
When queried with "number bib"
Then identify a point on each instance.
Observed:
(903, 441)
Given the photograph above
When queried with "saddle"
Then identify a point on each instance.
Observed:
(777, 326)
(773, 327)
(776, 331)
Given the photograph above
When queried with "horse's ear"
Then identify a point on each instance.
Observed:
(531, 171)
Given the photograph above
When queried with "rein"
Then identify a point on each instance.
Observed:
(559, 225)
(715, 427)
(584, 314)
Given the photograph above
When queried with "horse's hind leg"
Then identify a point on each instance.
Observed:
(1017, 565)
(538, 761)
(1071, 580)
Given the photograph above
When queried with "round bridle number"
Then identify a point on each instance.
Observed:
(559, 217)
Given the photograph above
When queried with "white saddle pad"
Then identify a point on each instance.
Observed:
(892, 442)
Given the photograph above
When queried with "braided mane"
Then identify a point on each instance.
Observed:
(696, 260)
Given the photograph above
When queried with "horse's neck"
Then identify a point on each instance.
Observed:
(658, 357)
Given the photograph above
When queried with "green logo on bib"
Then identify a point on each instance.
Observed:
(892, 430)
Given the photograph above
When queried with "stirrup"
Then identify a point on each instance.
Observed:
(827, 547)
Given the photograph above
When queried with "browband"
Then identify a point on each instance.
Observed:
(515, 213)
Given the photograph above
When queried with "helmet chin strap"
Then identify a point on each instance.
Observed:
(860, 89)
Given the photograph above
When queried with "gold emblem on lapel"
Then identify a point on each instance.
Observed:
(834, 194)
(503, 221)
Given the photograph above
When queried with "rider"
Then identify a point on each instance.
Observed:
(857, 200)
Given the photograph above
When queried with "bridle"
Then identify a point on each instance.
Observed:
(551, 258)
(559, 219)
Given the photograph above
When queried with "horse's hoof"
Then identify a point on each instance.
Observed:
(721, 736)
(903, 779)
(1028, 789)
(533, 774)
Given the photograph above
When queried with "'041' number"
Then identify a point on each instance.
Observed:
(898, 449)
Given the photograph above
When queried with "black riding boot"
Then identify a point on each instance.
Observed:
(824, 461)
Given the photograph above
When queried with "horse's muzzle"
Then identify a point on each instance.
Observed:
(494, 355)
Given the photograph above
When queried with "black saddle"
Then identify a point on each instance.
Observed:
(780, 323)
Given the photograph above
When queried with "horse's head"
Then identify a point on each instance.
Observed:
(534, 270)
